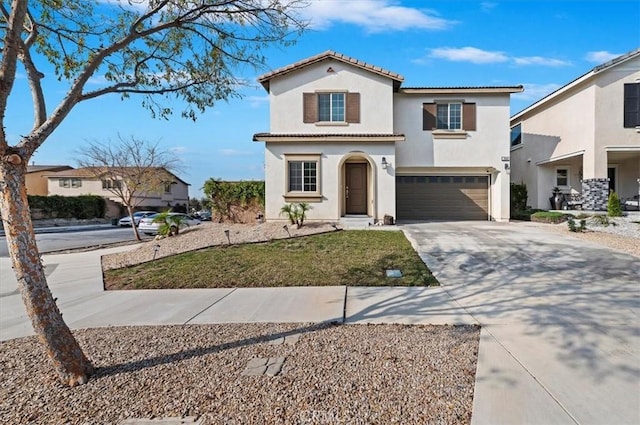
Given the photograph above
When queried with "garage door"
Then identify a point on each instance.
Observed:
(442, 197)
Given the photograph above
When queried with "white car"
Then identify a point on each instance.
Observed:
(137, 216)
(148, 227)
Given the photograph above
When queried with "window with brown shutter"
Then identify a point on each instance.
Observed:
(631, 105)
(353, 107)
(309, 108)
(446, 116)
(428, 116)
(469, 116)
(337, 107)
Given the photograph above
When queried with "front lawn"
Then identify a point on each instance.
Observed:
(354, 257)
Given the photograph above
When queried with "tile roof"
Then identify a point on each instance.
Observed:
(466, 89)
(329, 54)
(36, 168)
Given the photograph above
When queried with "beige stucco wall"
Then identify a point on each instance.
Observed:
(332, 157)
(36, 183)
(179, 193)
(376, 98)
(577, 128)
(481, 151)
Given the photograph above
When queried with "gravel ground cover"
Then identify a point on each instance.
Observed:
(347, 374)
(624, 235)
(210, 234)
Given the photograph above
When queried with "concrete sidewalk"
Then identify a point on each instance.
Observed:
(75, 280)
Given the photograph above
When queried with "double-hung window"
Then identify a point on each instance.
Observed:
(70, 183)
(331, 107)
(562, 177)
(449, 116)
(303, 176)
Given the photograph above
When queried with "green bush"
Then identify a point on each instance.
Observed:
(225, 195)
(81, 207)
(519, 197)
(524, 215)
(613, 206)
(572, 225)
(549, 217)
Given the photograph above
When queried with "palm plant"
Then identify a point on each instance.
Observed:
(301, 213)
(290, 211)
(169, 223)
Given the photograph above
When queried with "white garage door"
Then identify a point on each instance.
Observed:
(442, 197)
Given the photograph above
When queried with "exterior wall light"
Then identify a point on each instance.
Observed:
(384, 163)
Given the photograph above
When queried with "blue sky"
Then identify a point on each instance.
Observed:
(542, 45)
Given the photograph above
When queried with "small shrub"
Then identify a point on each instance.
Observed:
(583, 216)
(601, 220)
(553, 217)
(572, 225)
(519, 196)
(613, 206)
(296, 213)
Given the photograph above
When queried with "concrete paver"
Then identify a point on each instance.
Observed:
(404, 305)
(296, 304)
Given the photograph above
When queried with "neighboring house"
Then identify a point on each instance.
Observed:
(36, 180)
(348, 139)
(584, 138)
(81, 181)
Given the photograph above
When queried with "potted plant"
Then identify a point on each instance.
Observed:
(557, 199)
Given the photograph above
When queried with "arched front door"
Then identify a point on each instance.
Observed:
(356, 188)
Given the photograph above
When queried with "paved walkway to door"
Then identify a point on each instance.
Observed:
(560, 340)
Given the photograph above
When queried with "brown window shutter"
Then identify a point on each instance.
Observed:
(469, 116)
(353, 107)
(309, 108)
(428, 116)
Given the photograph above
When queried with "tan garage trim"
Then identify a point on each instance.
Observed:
(442, 197)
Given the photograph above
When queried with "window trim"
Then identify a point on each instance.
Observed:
(301, 195)
(568, 169)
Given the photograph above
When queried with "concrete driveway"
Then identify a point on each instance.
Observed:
(560, 340)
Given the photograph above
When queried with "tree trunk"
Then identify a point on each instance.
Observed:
(133, 223)
(68, 359)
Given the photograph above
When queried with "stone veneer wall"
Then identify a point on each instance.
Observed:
(595, 194)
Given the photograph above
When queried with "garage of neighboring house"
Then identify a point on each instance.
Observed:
(442, 197)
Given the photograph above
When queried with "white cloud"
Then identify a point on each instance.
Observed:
(257, 101)
(178, 149)
(373, 15)
(97, 80)
(539, 60)
(601, 56)
(468, 54)
(536, 91)
(234, 152)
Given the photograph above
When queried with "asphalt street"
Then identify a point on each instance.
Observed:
(49, 242)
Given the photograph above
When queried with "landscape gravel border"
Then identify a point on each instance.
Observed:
(348, 374)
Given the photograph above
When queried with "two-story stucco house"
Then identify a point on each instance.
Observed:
(349, 140)
(172, 191)
(584, 138)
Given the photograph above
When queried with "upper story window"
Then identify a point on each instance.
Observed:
(331, 107)
(449, 116)
(70, 183)
(458, 117)
(334, 108)
(167, 187)
(516, 135)
(111, 184)
(631, 105)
